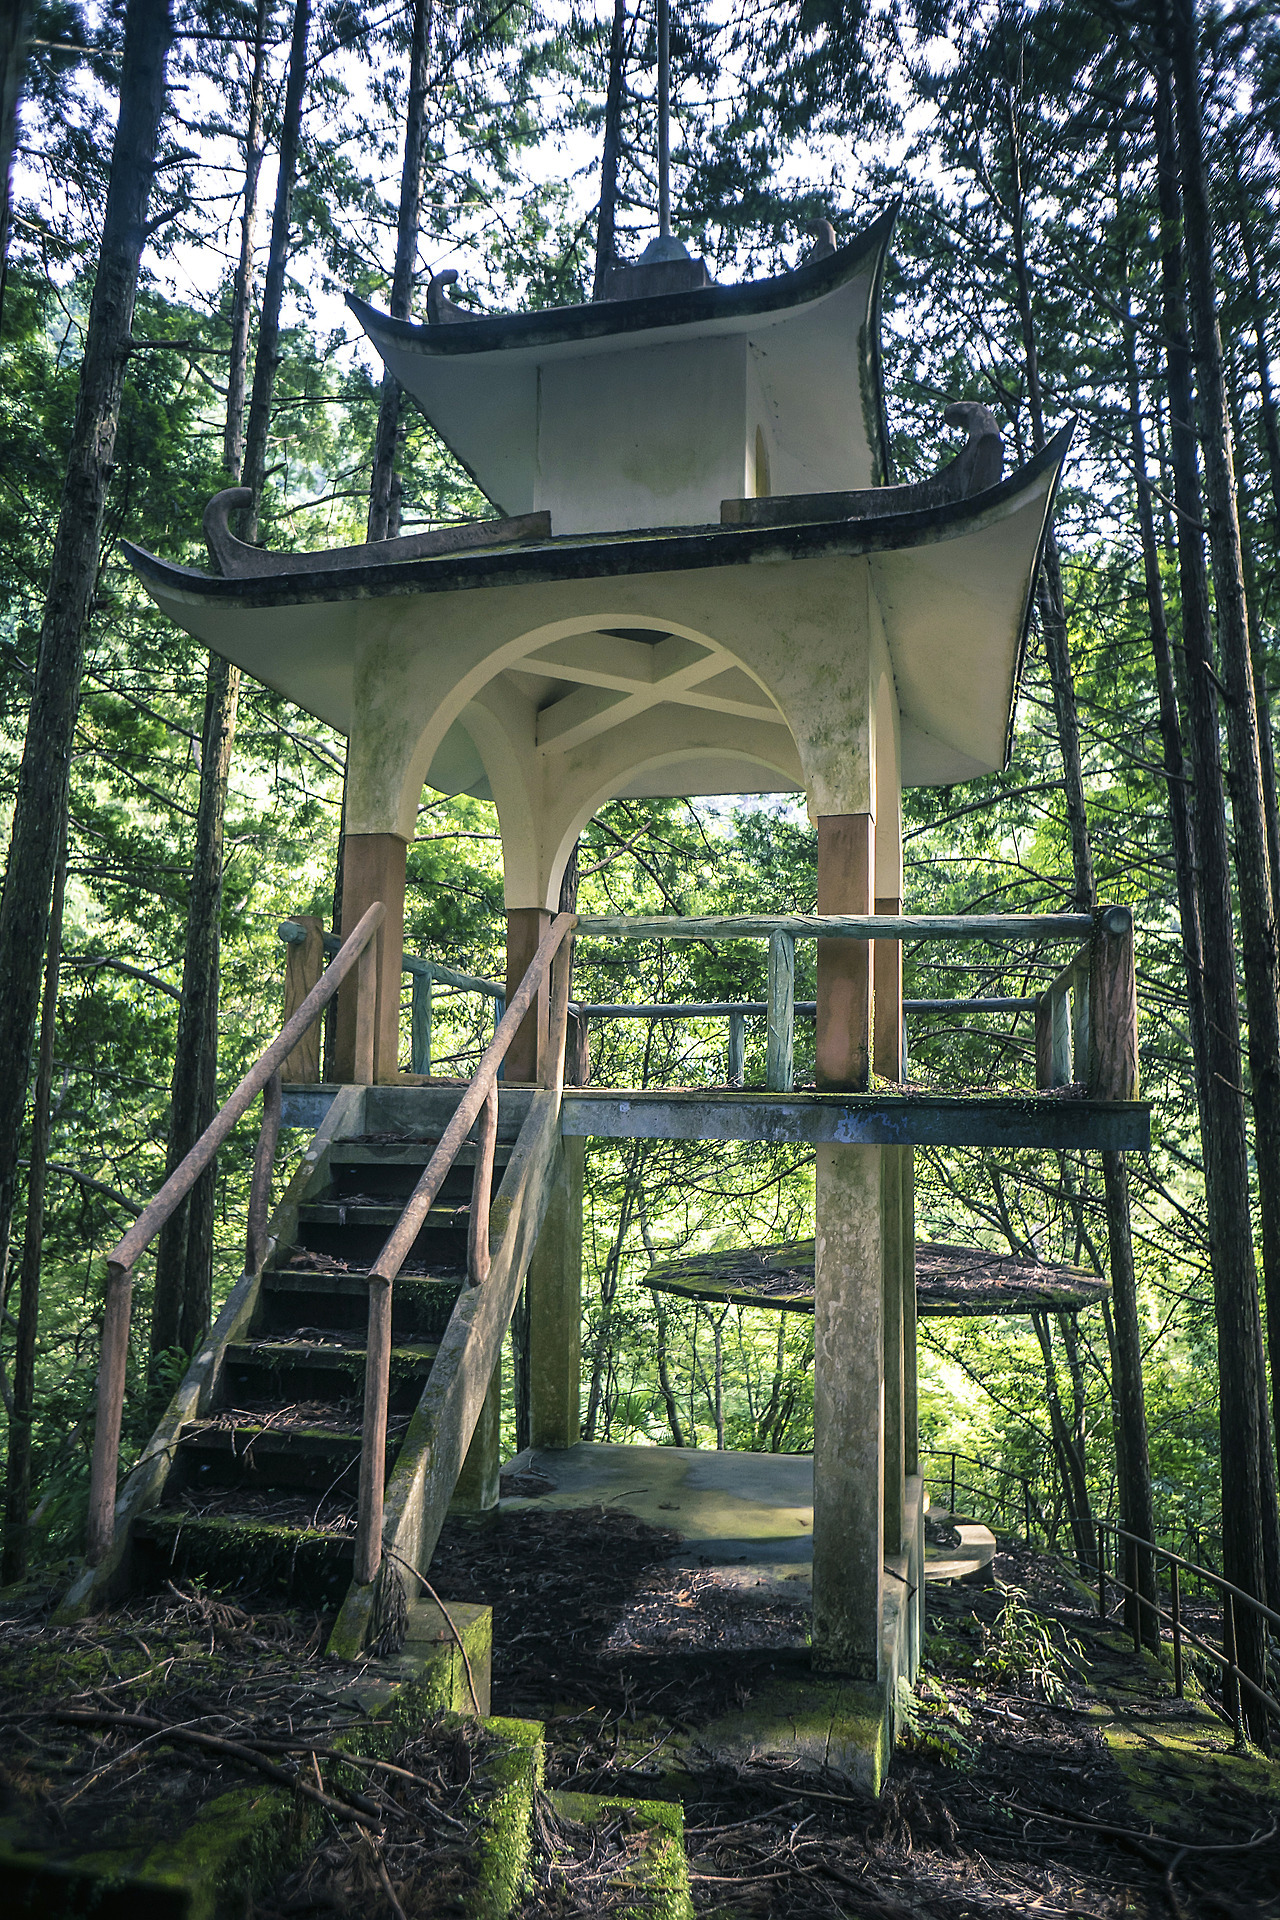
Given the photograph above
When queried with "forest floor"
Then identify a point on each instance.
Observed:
(1108, 1798)
(1111, 1798)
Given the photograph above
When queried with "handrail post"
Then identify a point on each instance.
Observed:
(373, 1436)
(952, 1507)
(1102, 1572)
(1175, 1610)
(558, 1013)
(780, 1045)
(737, 1049)
(105, 1465)
(1026, 1509)
(1113, 1007)
(420, 1021)
(481, 1191)
(264, 1159)
(1080, 1019)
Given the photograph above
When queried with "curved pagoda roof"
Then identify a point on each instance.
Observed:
(683, 445)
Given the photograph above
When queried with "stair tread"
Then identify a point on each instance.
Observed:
(344, 1280)
(334, 1269)
(269, 1515)
(375, 1210)
(329, 1349)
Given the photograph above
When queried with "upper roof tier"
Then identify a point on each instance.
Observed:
(625, 414)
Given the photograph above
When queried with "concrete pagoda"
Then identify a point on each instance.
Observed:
(700, 580)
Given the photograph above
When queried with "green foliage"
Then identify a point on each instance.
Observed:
(1020, 1644)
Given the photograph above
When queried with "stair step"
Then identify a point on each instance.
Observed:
(392, 1171)
(287, 1371)
(256, 1456)
(364, 1210)
(295, 1296)
(244, 1548)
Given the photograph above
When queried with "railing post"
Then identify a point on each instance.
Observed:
(780, 1044)
(737, 1048)
(1102, 1572)
(1026, 1510)
(1175, 1611)
(1113, 1007)
(304, 964)
(366, 1013)
(1053, 1040)
(1080, 1019)
(420, 1021)
(264, 1159)
(105, 1464)
(952, 1507)
(481, 1191)
(373, 1437)
(499, 1008)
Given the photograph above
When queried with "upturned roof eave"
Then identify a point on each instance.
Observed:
(601, 556)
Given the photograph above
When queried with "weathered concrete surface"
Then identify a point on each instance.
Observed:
(477, 1488)
(554, 1293)
(848, 1413)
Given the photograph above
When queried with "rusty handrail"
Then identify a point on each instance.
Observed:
(104, 1469)
(480, 1099)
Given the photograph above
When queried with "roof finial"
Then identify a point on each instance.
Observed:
(666, 246)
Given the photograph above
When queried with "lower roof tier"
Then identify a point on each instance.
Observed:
(951, 1281)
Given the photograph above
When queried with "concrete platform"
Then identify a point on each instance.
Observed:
(747, 1515)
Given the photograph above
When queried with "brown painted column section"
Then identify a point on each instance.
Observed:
(373, 869)
(886, 968)
(846, 863)
(848, 1413)
(525, 927)
(553, 1292)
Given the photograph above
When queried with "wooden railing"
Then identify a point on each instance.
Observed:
(479, 1102)
(1099, 984)
(358, 951)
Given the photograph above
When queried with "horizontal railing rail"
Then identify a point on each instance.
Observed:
(478, 1102)
(1085, 1019)
(998, 1499)
(358, 951)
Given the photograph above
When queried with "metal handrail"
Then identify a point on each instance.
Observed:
(987, 1466)
(105, 1464)
(1232, 1596)
(479, 1101)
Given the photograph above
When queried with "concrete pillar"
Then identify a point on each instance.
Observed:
(553, 1291)
(477, 1487)
(846, 855)
(848, 1413)
(525, 927)
(910, 1354)
(886, 968)
(373, 869)
(895, 1473)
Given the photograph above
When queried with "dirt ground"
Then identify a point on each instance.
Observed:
(1000, 1801)
(1043, 1771)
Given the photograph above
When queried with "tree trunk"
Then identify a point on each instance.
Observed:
(46, 754)
(1129, 1399)
(1070, 1464)
(664, 1376)
(606, 219)
(384, 498)
(1226, 1146)
(15, 36)
(242, 290)
(22, 1413)
(267, 358)
(184, 1253)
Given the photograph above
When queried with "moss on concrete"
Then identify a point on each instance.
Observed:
(660, 1876)
(837, 1726)
(512, 1776)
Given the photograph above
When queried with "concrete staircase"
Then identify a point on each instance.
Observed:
(261, 1492)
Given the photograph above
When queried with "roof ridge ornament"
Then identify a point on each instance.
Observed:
(237, 560)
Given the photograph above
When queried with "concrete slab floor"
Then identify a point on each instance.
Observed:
(747, 1515)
